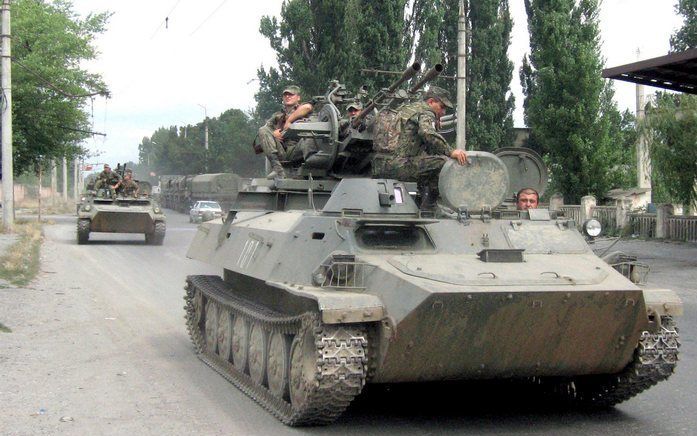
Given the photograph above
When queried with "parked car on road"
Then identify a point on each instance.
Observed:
(205, 211)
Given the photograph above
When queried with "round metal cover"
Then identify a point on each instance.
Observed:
(482, 184)
(525, 169)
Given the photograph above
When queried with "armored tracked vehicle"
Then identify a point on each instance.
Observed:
(333, 280)
(102, 211)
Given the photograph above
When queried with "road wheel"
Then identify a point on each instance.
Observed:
(257, 353)
(224, 333)
(278, 364)
(83, 230)
(157, 237)
(211, 326)
(303, 367)
(240, 343)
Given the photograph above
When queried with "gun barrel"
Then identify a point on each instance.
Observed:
(430, 75)
(406, 75)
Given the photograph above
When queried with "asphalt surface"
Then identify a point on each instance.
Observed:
(99, 346)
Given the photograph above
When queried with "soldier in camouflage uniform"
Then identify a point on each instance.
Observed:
(107, 179)
(271, 134)
(128, 187)
(421, 151)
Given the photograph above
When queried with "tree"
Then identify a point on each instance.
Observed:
(670, 127)
(50, 90)
(180, 150)
(686, 37)
(433, 33)
(568, 106)
(317, 41)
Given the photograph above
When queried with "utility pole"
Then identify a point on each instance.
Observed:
(205, 137)
(461, 138)
(8, 207)
(54, 182)
(76, 163)
(65, 180)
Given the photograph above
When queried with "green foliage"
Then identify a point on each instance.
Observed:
(568, 106)
(671, 130)
(686, 37)
(489, 71)
(180, 150)
(50, 90)
(317, 41)
(433, 25)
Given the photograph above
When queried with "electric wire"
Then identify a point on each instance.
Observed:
(208, 17)
(159, 26)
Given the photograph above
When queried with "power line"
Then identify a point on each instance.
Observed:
(208, 17)
(166, 20)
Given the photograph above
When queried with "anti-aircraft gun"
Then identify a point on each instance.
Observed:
(332, 280)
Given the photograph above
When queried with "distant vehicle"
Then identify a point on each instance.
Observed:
(205, 211)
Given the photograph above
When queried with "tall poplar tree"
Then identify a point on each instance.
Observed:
(317, 41)
(432, 30)
(568, 106)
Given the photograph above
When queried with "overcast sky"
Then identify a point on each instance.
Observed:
(209, 52)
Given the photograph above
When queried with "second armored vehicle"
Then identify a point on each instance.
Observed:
(107, 213)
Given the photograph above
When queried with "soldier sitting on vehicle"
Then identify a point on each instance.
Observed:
(527, 198)
(128, 187)
(421, 151)
(107, 179)
(270, 136)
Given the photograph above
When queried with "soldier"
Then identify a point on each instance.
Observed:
(128, 186)
(527, 198)
(353, 109)
(107, 178)
(271, 134)
(421, 151)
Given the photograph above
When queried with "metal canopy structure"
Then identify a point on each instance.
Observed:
(677, 71)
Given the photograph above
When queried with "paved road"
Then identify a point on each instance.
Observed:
(99, 340)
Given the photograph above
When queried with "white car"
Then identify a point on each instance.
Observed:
(205, 211)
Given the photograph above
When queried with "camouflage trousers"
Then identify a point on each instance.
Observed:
(291, 151)
(424, 170)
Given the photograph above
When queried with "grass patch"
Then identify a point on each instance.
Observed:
(20, 264)
(4, 328)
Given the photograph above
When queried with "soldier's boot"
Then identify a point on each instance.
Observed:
(277, 169)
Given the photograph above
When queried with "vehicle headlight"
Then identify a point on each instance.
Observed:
(87, 208)
(592, 228)
(157, 210)
(83, 198)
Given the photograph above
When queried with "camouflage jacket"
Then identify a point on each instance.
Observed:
(129, 187)
(418, 132)
(110, 178)
(278, 119)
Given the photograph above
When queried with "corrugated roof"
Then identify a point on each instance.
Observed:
(677, 71)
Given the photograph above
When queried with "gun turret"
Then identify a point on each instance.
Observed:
(406, 75)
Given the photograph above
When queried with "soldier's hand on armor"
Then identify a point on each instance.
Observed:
(460, 156)
(278, 134)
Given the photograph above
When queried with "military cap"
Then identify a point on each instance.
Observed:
(292, 89)
(439, 94)
(356, 105)
(106, 166)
